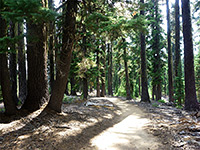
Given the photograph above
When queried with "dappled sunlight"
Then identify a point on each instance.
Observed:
(122, 133)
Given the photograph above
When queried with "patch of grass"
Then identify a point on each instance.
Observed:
(161, 101)
(69, 99)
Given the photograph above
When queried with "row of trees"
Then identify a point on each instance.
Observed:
(117, 49)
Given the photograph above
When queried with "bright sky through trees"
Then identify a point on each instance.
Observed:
(196, 37)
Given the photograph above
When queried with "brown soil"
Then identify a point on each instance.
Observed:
(110, 124)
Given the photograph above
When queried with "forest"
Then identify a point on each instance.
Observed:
(74, 59)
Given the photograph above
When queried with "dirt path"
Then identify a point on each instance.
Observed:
(112, 124)
(129, 133)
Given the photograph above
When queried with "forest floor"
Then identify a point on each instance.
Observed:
(106, 123)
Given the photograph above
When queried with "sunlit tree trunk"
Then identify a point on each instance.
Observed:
(13, 64)
(22, 65)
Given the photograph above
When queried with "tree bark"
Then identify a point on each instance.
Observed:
(157, 55)
(37, 65)
(85, 80)
(128, 93)
(98, 84)
(13, 65)
(103, 86)
(22, 65)
(145, 93)
(73, 89)
(69, 18)
(191, 103)
(9, 104)
(110, 92)
(51, 49)
(178, 68)
(170, 67)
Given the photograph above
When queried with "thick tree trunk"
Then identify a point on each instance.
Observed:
(128, 93)
(170, 68)
(22, 65)
(13, 65)
(9, 103)
(98, 84)
(145, 93)
(190, 90)
(37, 65)
(63, 65)
(51, 49)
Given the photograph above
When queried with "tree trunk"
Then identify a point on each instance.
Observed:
(178, 68)
(128, 93)
(85, 88)
(145, 93)
(85, 80)
(158, 78)
(22, 65)
(103, 86)
(98, 84)
(153, 92)
(51, 49)
(63, 65)
(66, 88)
(37, 65)
(13, 65)
(9, 104)
(191, 103)
(170, 68)
(110, 70)
(73, 89)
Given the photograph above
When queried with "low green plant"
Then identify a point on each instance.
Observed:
(68, 99)
(161, 101)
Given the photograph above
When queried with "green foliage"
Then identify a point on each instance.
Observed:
(19, 10)
(69, 99)
(161, 101)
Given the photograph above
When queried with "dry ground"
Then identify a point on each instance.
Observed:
(102, 124)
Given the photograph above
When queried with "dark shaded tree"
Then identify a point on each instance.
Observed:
(170, 60)
(9, 104)
(13, 64)
(145, 93)
(69, 19)
(179, 94)
(190, 90)
(37, 64)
